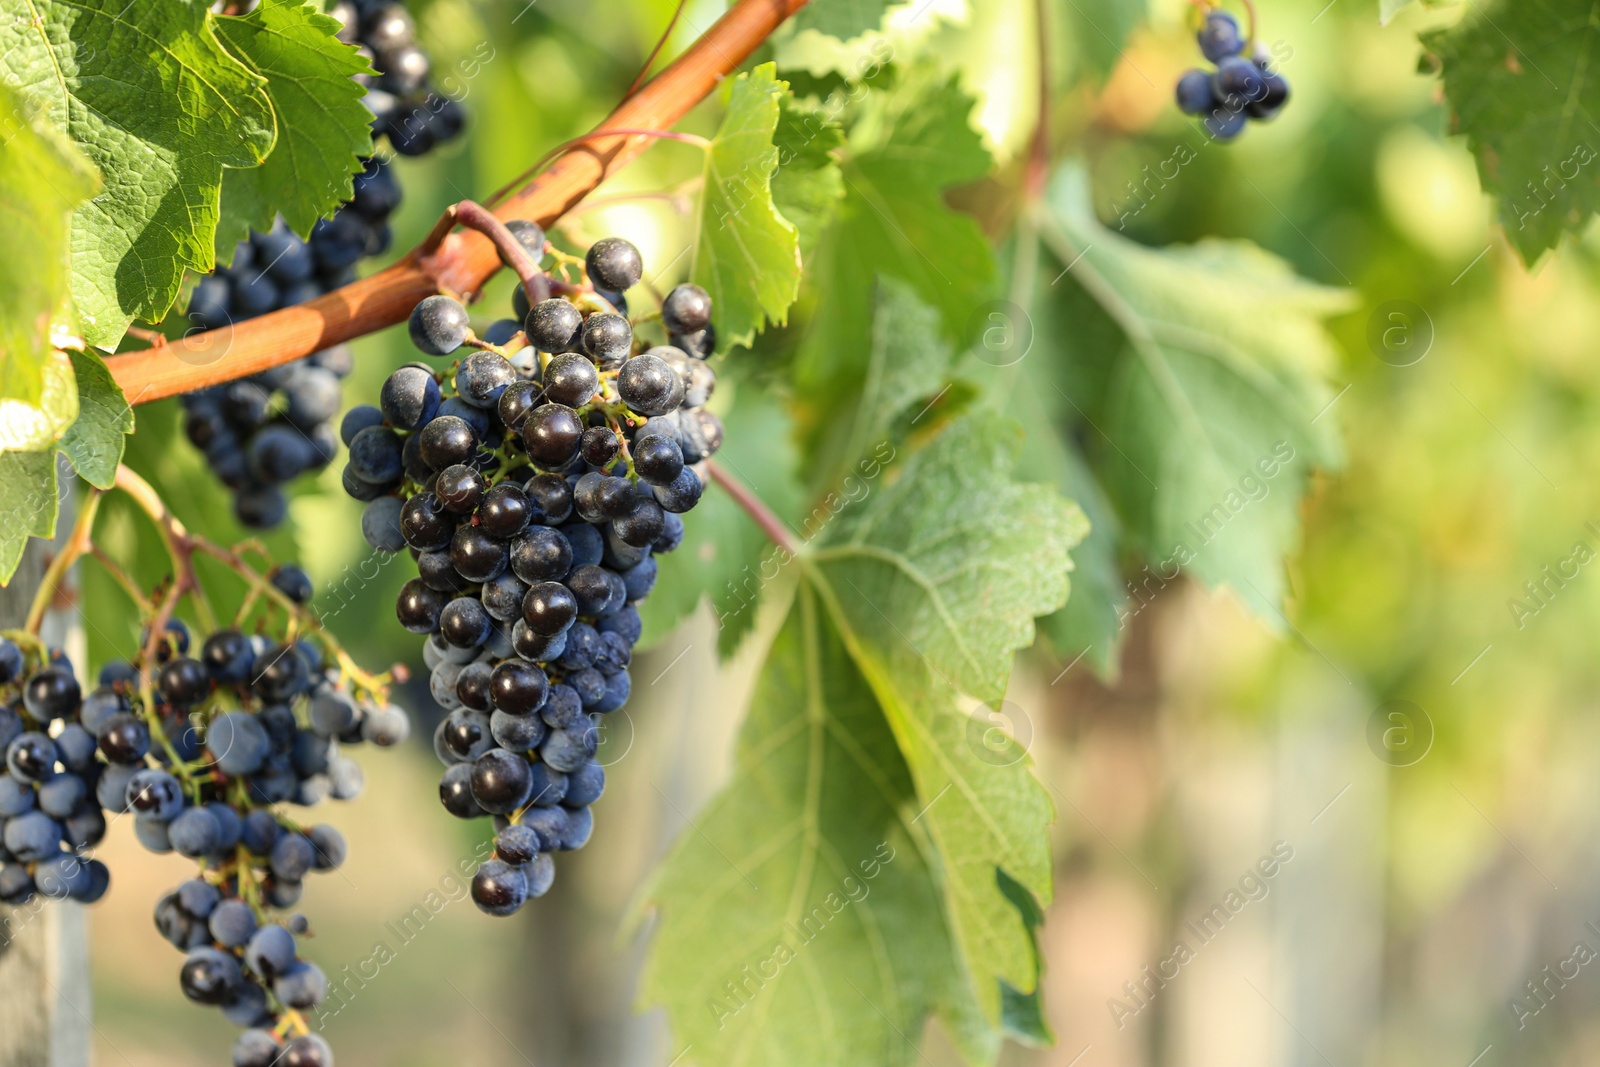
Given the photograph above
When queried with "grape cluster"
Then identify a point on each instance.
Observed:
(1240, 89)
(49, 820)
(261, 432)
(248, 723)
(534, 481)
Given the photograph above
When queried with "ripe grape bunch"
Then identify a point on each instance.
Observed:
(534, 481)
(1241, 89)
(250, 722)
(261, 432)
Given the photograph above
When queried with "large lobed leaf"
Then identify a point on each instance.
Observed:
(934, 583)
(323, 127)
(747, 256)
(801, 922)
(160, 107)
(1197, 376)
(1522, 84)
(43, 177)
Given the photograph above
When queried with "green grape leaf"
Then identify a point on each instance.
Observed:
(37, 426)
(43, 178)
(1198, 376)
(933, 583)
(808, 185)
(160, 129)
(324, 130)
(1521, 85)
(724, 556)
(844, 19)
(894, 222)
(28, 503)
(800, 920)
(747, 256)
(94, 442)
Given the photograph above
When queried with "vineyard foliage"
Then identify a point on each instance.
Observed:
(980, 424)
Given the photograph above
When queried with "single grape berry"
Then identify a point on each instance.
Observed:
(52, 694)
(409, 397)
(447, 441)
(553, 325)
(549, 608)
(292, 582)
(1194, 93)
(1238, 82)
(1219, 37)
(1223, 124)
(519, 398)
(459, 488)
(517, 687)
(614, 263)
(439, 325)
(551, 434)
(476, 555)
(658, 459)
(686, 309)
(607, 337)
(648, 384)
(600, 445)
(482, 377)
(571, 379)
(505, 512)
(418, 607)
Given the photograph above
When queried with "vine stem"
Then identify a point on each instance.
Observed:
(183, 546)
(1038, 172)
(661, 42)
(464, 261)
(475, 216)
(77, 544)
(177, 540)
(753, 506)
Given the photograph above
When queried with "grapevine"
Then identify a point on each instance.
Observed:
(847, 388)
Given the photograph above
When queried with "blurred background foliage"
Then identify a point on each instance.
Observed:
(1418, 900)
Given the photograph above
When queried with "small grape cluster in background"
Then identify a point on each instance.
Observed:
(534, 481)
(260, 433)
(250, 722)
(1240, 89)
